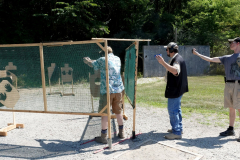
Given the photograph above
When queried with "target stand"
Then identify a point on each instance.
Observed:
(10, 99)
(11, 126)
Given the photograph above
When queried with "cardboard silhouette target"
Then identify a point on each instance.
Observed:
(53, 68)
(94, 88)
(9, 69)
(67, 77)
(9, 96)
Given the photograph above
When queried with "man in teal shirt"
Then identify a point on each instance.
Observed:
(115, 89)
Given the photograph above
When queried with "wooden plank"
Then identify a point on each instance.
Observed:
(8, 128)
(70, 43)
(17, 125)
(20, 125)
(135, 95)
(3, 133)
(134, 43)
(115, 39)
(100, 46)
(103, 109)
(51, 43)
(108, 94)
(11, 126)
(21, 45)
(54, 112)
(43, 77)
(113, 116)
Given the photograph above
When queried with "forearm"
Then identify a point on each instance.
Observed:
(206, 58)
(170, 68)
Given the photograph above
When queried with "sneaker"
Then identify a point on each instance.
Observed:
(170, 131)
(227, 133)
(238, 139)
(173, 136)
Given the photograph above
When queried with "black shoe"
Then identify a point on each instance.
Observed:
(227, 133)
(238, 139)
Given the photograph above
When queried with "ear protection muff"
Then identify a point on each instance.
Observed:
(171, 49)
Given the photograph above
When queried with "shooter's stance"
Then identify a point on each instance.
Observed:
(115, 88)
(232, 81)
(177, 85)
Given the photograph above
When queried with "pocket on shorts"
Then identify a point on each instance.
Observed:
(238, 94)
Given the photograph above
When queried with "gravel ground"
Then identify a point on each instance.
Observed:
(51, 136)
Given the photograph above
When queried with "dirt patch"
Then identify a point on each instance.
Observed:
(153, 150)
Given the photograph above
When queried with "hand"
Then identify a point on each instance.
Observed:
(160, 59)
(194, 51)
(88, 61)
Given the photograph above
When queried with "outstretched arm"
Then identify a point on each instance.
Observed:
(88, 61)
(214, 59)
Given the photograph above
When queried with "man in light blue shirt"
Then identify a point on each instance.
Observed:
(115, 89)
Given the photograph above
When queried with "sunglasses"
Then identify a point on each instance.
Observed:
(232, 42)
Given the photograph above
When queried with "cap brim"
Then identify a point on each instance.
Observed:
(165, 46)
(230, 40)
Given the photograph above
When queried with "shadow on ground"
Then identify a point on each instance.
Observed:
(57, 148)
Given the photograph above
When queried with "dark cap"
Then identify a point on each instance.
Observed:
(237, 39)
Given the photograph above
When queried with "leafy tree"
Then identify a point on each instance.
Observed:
(208, 21)
(76, 20)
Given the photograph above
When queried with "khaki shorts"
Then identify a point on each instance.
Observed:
(232, 95)
(115, 102)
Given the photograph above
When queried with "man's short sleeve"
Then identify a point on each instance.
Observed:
(96, 64)
(222, 59)
(177, 66)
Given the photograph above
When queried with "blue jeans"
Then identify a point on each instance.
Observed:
(175, 114)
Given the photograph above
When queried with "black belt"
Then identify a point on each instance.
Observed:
(232, 81)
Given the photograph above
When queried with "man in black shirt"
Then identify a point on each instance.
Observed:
(177, 85)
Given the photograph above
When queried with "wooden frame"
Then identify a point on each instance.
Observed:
(104, 48)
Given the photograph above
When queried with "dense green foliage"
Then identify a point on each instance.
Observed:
(202, 22)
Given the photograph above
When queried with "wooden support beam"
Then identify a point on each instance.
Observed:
(11, 126)
(115, 39)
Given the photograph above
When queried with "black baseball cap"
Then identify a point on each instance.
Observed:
(237, 39)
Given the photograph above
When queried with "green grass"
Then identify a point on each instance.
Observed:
(205, 96)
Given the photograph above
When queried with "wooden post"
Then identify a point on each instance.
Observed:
(134, 110)
(43, 77)
(108, 95)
